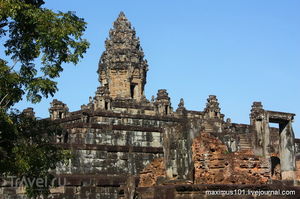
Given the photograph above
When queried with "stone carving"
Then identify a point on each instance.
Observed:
(122, 67)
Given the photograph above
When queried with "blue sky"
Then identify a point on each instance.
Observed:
(242, 51)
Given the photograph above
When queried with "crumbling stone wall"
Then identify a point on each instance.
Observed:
(152, 172)
(297, 173)
(215, 165)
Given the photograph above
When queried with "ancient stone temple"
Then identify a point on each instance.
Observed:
(126, 146)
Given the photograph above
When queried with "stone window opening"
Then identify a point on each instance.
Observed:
(60, 115)
(66, 137)
(106, 105)
(132, 90)
(166, 109)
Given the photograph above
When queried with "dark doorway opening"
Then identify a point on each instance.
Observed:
(132, 90)
(166, 109)
(66, 137)
(274, 162)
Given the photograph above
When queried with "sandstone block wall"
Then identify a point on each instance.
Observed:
(111, 146)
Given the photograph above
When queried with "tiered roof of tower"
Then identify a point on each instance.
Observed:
(212, 104)
(123, 48)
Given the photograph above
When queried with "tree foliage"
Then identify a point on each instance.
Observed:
(27, 150)
(37, 41)
(33, 33)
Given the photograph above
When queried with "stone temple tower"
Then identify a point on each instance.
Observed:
(122, 67)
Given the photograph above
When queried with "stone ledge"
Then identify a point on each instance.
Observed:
(113, 127)
(137, 116)
(112, 148)
(126, 104)
(92, 180)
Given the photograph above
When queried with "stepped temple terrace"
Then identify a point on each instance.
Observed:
(127, 146)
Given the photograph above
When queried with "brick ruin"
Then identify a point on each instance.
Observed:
(126, 146)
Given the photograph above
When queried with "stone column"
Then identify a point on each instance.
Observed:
(266, 136)
(259, 119)
(287, 150)
(167, 140)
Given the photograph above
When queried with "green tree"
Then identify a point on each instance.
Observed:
(37, 41)
(29, 151)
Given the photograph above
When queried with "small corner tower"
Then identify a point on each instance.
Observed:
(163, 103)
(58, 110)
(213, 116)
(122, 67)
(212, 109)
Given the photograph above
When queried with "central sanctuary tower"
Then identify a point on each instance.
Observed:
(122, 67)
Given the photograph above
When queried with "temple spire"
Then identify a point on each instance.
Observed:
(122, 22)
(122, 67)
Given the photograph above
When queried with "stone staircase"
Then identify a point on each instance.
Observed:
(244, 143)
